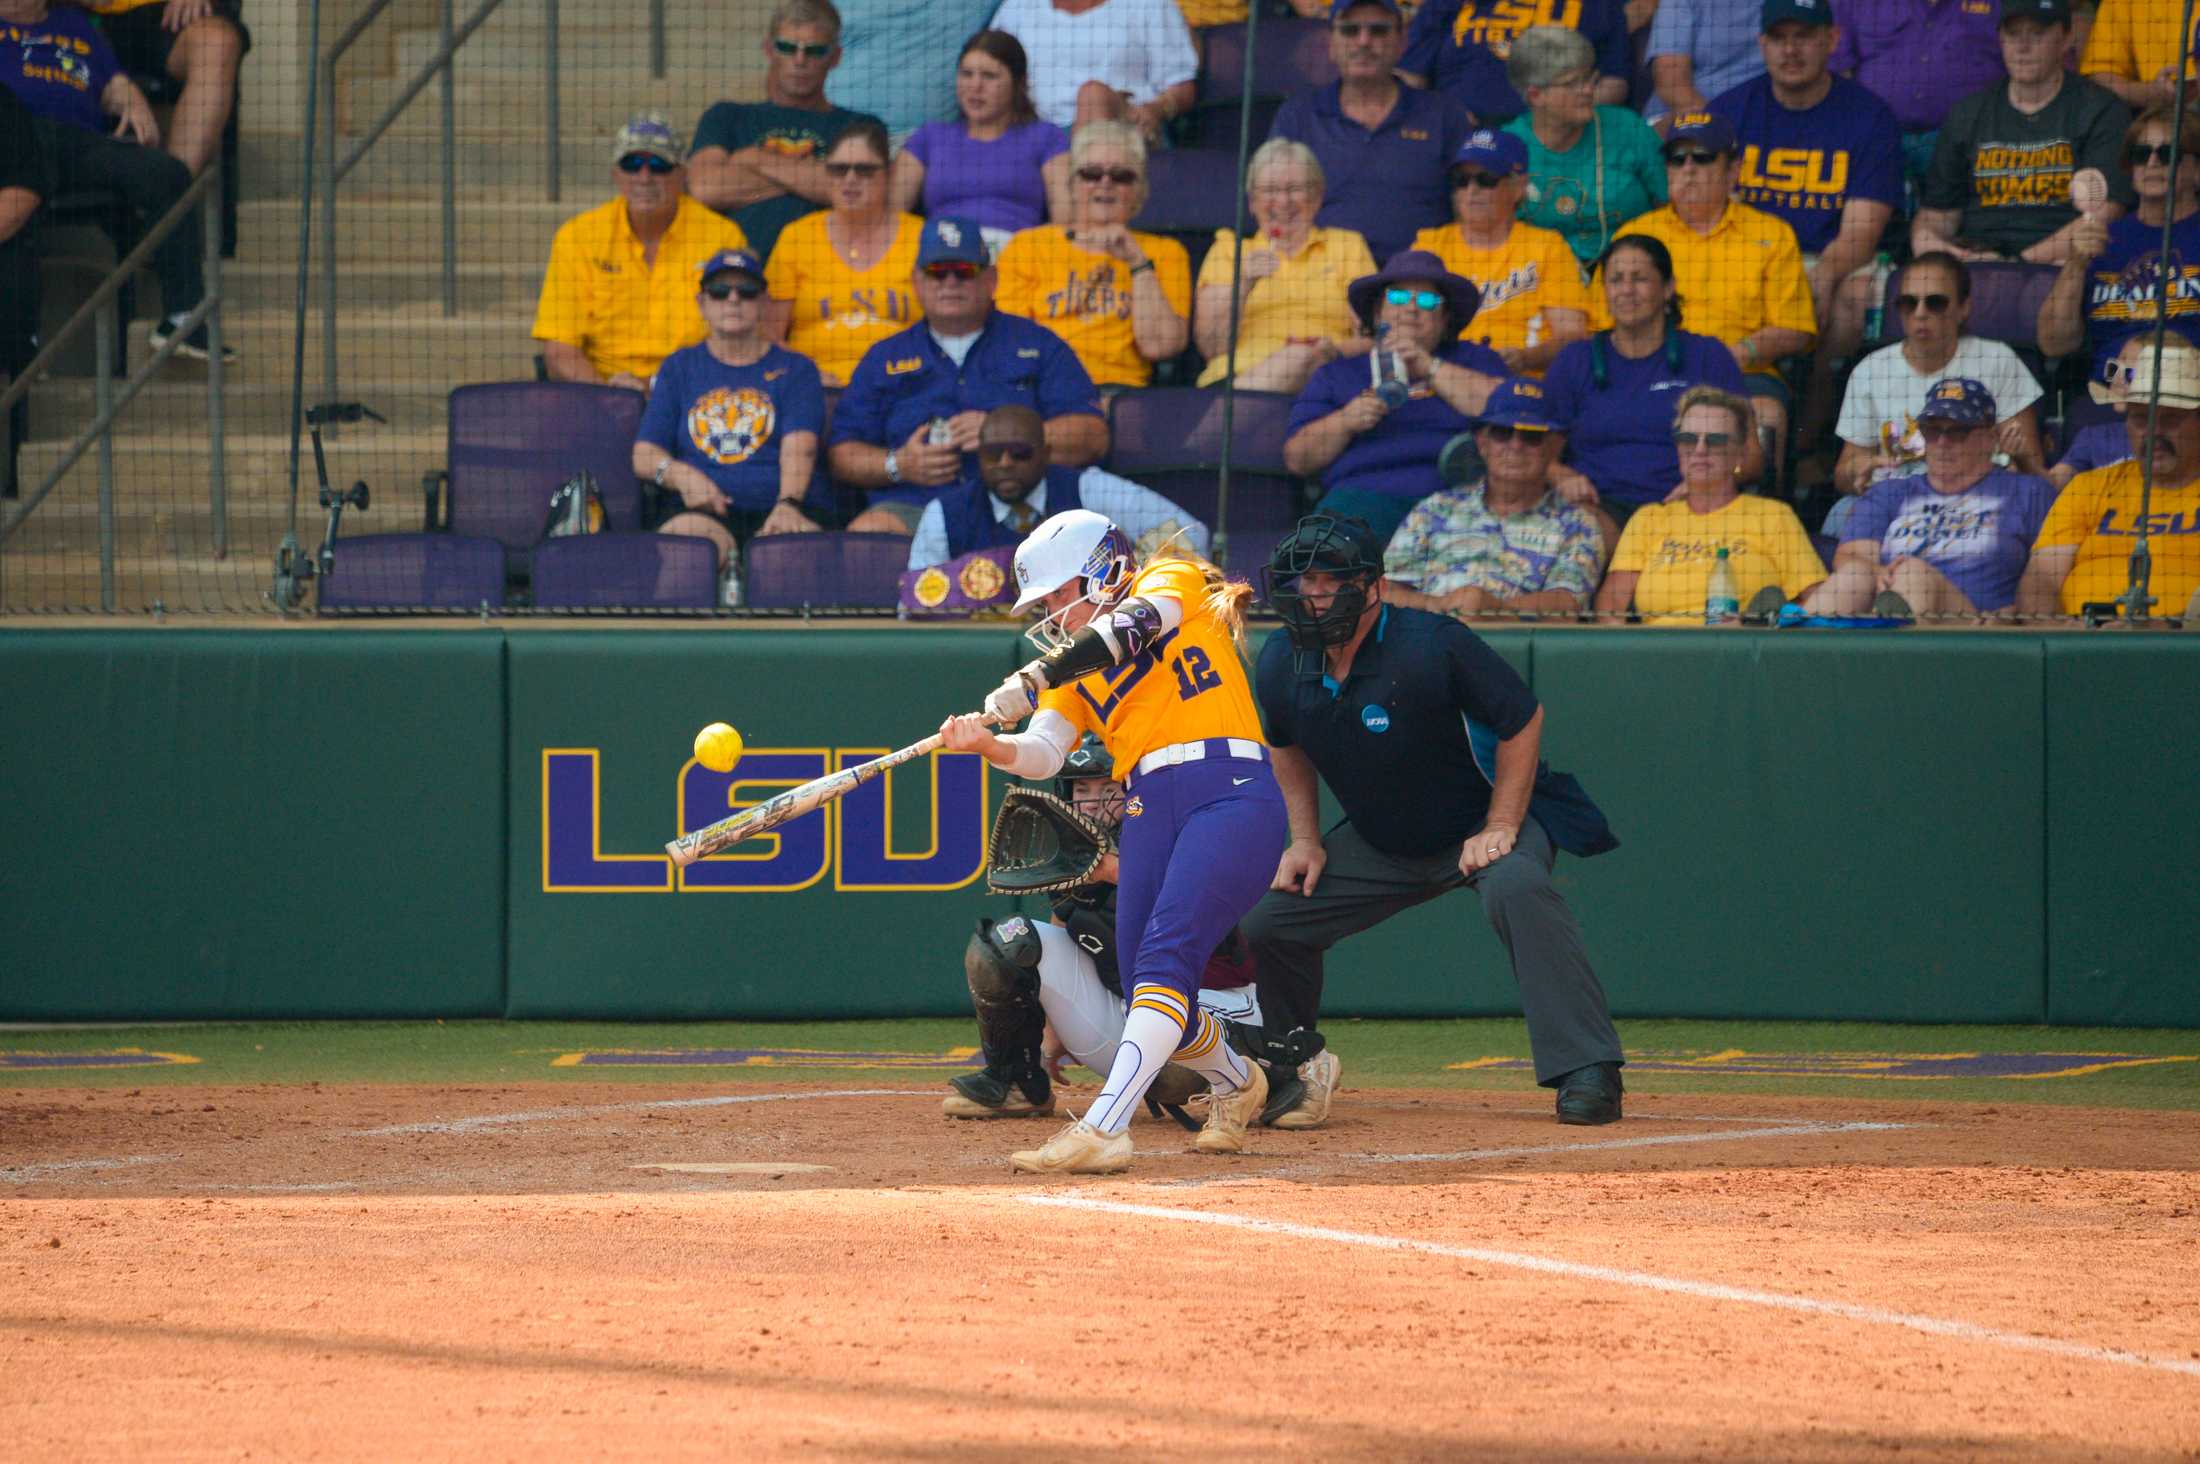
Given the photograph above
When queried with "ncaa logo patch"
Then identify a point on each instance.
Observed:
(1375, 718)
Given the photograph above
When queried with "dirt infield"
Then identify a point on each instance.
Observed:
(380, 1272)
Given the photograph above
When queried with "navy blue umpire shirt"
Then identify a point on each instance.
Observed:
(1408, 741)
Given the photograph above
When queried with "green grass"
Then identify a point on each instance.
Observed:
(1377, 1053)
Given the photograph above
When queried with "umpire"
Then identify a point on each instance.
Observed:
(1429, 741)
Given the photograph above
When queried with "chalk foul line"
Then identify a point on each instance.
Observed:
(1641, 1280)
(599, 1110)
(1774, 1130)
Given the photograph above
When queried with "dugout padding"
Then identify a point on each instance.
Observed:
(218, 824)
(2122, 917)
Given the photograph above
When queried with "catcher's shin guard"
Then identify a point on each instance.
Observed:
(1001, 965)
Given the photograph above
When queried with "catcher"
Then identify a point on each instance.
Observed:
(1048, 991)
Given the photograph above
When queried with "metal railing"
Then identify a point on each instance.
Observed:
(98, 314)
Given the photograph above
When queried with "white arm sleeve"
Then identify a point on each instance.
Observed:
(1043, 747)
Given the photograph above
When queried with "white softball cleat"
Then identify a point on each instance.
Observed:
(1229, 1113)
(1320, 1073)
(1077, 1149)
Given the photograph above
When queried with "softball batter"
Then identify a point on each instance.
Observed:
(1147, 657)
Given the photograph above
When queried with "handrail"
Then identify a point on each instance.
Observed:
(334, 169)
(98, 313)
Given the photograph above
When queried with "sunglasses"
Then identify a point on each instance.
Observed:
(1374, 30)
(1120, 177)
(951, 269)
(639, 162)
(1705, 439)
(1506, 432)
(1015, 452)
(1934, 431)
(1425, 299)
(1691, 159)
(724, 289)
(814, 51)
(1931, 304)
(1474, 178)
(2139, 154)
(854, 170)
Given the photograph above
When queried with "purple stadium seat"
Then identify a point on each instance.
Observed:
(1170, 440)
(625, 572)
(2005, 302)
(1190, 191)
(414, 572)
(828, 571)
(1289, 55)
(513, 443)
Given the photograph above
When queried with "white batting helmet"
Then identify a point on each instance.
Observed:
(1079, 544)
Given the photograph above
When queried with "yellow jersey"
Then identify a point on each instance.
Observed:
(1303, 300)
(1746, 274)
(1085, 297)
(1188, 686)
(2134, 39)
(839, 313)
(1673, 548)
(625, 312)
(2098, 515)
(1534, 270)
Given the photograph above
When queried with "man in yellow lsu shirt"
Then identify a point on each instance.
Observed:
(2083, 553)
(619, 296)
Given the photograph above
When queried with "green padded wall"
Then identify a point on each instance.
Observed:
(2123, 816)
(222, 824)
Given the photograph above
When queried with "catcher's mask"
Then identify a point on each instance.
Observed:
(1087, 782)
(1331, 544)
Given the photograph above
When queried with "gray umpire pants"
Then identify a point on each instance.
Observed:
(1569, 1025)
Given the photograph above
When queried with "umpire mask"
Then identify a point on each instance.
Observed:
(1336, 545)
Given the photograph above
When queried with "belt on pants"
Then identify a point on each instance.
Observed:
(1183, 752)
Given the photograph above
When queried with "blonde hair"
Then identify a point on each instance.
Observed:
(1744, 415)
(1283, 152)
(1118, 135)
(1227, 599)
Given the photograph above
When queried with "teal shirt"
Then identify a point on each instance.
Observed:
(1562, 187)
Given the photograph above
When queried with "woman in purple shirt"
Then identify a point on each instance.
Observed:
(997, 165)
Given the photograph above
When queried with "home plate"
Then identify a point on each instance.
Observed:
(740, 1168)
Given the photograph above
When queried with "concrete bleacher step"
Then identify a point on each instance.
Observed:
(489, 157)
(201, 583)
(481, 286)
(61, 407)
(590, 105)
(381, 229)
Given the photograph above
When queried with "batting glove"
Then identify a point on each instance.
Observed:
(1017, 697)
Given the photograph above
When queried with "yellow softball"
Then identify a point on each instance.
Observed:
(718, 747)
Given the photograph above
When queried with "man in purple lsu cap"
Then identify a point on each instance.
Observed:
(1953, 540)
(907, 427)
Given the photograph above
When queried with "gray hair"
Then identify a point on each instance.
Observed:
(1541, 54)
(1120, 136)
(1282, 152)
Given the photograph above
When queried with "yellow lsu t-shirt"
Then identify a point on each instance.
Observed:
(837, 313)
(2134, 39)
(1303, 300)
(1085, 297)
(625, 312)
(1673, 550)
(1534, 270)
(1188, 686)
(2098, 515)
(1745, 275)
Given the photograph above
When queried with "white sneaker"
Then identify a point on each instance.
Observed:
(1078, 1149)
(1320, 1073)
(1229, 1113)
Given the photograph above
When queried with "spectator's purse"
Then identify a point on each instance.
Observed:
(576, 508)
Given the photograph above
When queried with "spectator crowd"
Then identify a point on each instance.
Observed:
(1574, 303)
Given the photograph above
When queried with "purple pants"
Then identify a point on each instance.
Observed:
(1200, 846)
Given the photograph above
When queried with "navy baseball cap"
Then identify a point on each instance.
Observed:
(1809, 12)
(1519, 402)
(1339, 7)
(2046, 12)
(1502, 153)
(1958, 399)
(1713, 132)
(950, 240)
(732, 261)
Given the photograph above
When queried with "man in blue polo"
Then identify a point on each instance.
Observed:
(908, 425)
(1459, 48)
(1431, 744)
(1384, 147)
(1823, 155)
(1018, 487)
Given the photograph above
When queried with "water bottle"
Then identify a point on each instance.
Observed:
(1387, 373)
(729, 583)
(1722, 604)
(1875, 313)
(939, 433)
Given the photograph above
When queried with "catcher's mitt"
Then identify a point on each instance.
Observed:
(1040, 843)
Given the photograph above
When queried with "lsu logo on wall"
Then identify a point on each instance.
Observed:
(852, 838)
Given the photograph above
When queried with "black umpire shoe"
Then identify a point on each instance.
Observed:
(1590, 1095)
